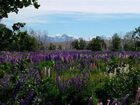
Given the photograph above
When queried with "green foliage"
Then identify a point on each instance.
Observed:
(136, 38)
(17, 40)
(97, 85)
(74, 97)
(7, 6)
(2, 73)
(116, 42)
(5, 93)
(43, 68)
(17, 26)
(96, 44)
(52, 46)
(75, 44)
(129, 44)
(6, 37)
(48, 92)
(101, 91)
(60, 47)
(129, 47)
(48, 64)
(25, 42)
(124, 84)
(79, 44)
(82, 44)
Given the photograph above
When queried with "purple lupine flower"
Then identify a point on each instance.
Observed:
(15, 92)
(49, 103)
(125, 100)
(59, 84)
(3, 103)
(90, 101)
(137, 95)
(29, 98)
(47, 58)
(115, 102)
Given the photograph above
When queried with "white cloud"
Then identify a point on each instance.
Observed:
(92, 6)
(69, 6)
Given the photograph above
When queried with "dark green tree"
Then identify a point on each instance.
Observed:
(18, 26)
(25, 42)
(116, 42)
(17, 40)
(52, 46)
(74, 44)
(136, 38)
(129, 44)
(96, 44)
(7, 6)
(6, 37)
(81, 44)
(60, 47)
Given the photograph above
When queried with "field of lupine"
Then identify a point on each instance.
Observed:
(70, 78)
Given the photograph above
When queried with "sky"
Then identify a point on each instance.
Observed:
(80, 18)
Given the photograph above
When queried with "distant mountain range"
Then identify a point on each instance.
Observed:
(62, 38)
